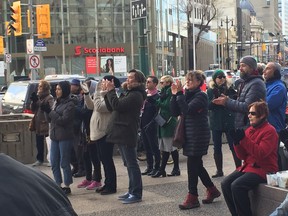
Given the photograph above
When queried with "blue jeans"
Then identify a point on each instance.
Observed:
(129, 157)
(60, 157)
(235, 188)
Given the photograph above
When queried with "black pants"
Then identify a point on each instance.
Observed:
(105, 152)
(40, 147)
(235, 189)
(196, 169)
(91, 157)
(150, 140)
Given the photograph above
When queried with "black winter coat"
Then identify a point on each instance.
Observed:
(194, 106)
(125, 120)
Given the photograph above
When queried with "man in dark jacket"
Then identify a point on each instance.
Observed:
(30, 193)
(149, 128)
(123, 128)
(250, 90)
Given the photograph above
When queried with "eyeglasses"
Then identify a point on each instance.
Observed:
(252, 113)
(221, 77)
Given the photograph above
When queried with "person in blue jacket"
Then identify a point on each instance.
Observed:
(276, 98)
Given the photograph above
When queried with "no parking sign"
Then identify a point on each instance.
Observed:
(34, 61)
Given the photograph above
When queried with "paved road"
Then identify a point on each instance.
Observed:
(161, 196)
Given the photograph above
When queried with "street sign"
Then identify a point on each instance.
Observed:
(138, 9)
(8, 58)
(34, 61)
(30, 46)
(40, 46)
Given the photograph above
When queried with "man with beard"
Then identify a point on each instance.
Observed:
(252, 89)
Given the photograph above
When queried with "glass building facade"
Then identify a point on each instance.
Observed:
(153, 44)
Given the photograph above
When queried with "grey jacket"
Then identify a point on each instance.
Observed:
(254, 90)
(61, 118)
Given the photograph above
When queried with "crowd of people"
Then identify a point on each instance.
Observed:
(88, 119)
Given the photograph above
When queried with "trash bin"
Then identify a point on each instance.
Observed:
(16, 139)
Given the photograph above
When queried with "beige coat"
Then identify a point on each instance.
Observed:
(100, 116)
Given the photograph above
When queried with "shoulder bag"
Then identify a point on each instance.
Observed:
(179, 135)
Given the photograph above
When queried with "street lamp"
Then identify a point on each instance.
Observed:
(227, 21)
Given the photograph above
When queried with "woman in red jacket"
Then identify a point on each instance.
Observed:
(257, 147)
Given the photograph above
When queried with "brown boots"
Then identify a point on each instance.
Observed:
(190, 202)
(212, 193)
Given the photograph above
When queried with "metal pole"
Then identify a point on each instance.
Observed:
(96, 38)
(63, 40)
(7, 51)
(132, 39)
(227, 40)
(193, 27)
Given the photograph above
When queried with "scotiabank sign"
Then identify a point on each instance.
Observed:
(79, 50)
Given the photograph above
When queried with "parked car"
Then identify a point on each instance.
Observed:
(17, 97)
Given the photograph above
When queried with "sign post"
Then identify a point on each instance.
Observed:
(139, 12)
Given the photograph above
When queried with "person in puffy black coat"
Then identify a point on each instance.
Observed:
(61, 118)
(193, 106)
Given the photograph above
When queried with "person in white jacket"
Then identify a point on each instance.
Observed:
(98, 124)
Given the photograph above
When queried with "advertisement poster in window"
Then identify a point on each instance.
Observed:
(92, 65)
(120, 64)
(107, 64)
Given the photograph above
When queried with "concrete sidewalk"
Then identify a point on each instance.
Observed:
(161, 196)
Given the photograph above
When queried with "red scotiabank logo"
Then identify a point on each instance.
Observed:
(85, 50)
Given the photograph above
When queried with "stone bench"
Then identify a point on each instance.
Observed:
(265, 199)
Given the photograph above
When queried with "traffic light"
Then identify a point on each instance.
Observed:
(43, 21)
(1, 45)
(16, 18)
(8, 28)
(278, 48)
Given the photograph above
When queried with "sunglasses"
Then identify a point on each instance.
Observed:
(252, 113)
(221, 77)
(161, 82)
(148, 81)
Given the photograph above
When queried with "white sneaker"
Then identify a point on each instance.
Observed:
(37, 163)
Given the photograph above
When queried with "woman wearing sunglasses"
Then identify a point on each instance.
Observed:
(221, 119)
(257, 147)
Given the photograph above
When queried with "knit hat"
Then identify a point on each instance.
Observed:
(117, 83)
(250, 61)
(65, 86)
(217, 73)
(75, 82)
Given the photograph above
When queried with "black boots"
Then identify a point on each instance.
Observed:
(218, 158)
(176, 170)
(161, 172)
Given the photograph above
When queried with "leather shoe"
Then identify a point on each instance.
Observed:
(146, 171)
(174, 173)
(153, 172)
(79, 174)
(100, 189)
(159, 174)
(107, 191)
